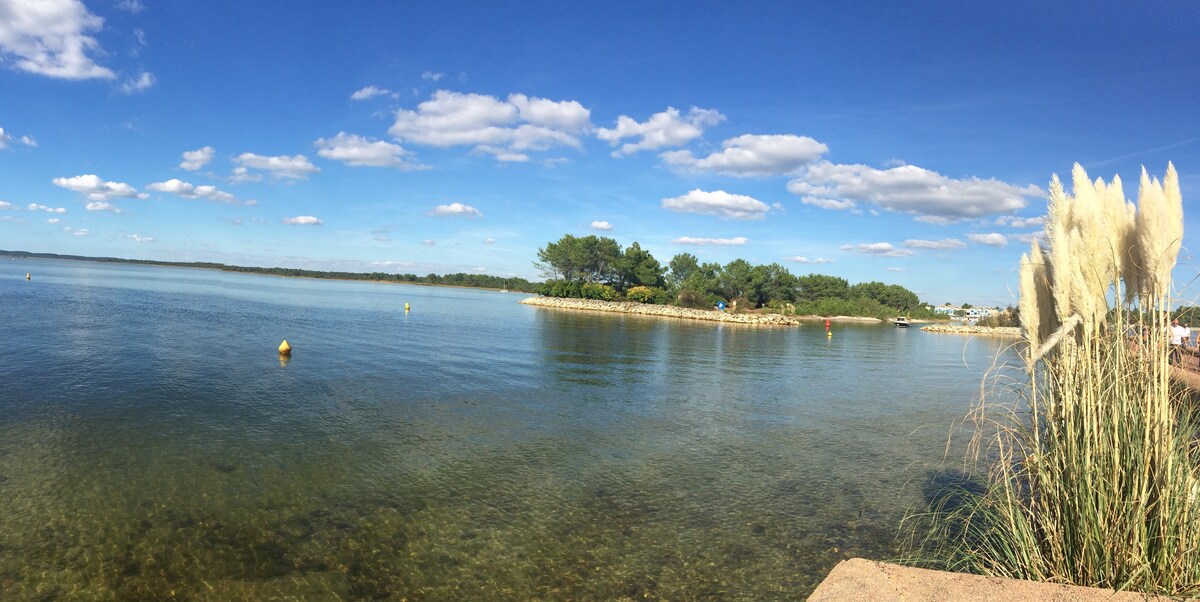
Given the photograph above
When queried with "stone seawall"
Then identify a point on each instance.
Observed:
(666, 311)
(1003, 331)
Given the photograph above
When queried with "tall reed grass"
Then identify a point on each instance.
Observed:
(1091, 477)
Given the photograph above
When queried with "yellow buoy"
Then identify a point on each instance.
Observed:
(27, 275)
(284, 348)
(406, 307)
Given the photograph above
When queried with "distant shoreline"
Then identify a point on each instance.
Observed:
(660, 311)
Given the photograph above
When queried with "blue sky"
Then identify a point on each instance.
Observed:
(909, 143)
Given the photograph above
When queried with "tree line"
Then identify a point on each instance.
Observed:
(598, 268)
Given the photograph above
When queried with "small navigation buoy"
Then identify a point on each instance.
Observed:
(27, 275)
(406, 307)
(829, 334)
(285, 348)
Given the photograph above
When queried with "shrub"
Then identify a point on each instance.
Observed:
(648, 294)
(561, 288)
(601, 292)
(694, 299)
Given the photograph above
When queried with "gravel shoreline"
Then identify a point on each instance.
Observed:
(1002, 331)
(665, 311)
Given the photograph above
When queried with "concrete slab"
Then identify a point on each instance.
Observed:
(860, 579)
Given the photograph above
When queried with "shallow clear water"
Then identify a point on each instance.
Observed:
(152, 444)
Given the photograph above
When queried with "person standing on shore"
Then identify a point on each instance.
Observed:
(1177, 333)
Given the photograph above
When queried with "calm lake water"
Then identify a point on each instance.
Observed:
(152, 444)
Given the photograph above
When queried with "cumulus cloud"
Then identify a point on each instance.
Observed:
(1014, 221)
(79, 232)
(431, 76)
(428, 242)
(665, 129)
(52, 220)
(835, 204)
(505, 129)
(280, 166)
(882, 249)
(133, 6)
(242, 174)
(103, 206)
(97, 189)
(358, 151)
(489, 241)
(910, 189)
(139, 238)
(803, 259)
(189, 191)
(691, 240)
(143, 82)
(937, 245)
(7, 206)
(753, 155)
(7, 140)
(1029, 237)
(195, 159)
(369, 92)
(719, 203)
(50, 38)
(303, 220)
(37, 207)
(456, 209)
(601, 225)
(991, 239)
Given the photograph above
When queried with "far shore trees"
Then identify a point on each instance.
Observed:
(593, 267)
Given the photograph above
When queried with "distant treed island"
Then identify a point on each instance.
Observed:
(593, 267)
(460, 279)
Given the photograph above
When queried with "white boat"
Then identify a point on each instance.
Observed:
(901, 322)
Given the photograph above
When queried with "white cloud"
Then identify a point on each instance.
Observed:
(37, 207)
(489, 241)
(991, 239)
(242, 174)
(97, 189)
(79, 232)
(503, 128)
(502, 155)
(52, 220)
(369, 92)
(601, 225)
(456, 209)
(8, 206)
(7, 140)
(943, 244)
(717, 202)
(49, 37)
(139, 238)
(359, 151)
(835, 204)
(1014, 221)
(1029, 237)
(803, 259)
(431, 76)
(103, 206)
(144, 82)
(895, 269)
(753, 155)
(668, 128)
(188, 191)
(194, 160)
(303, 220)
(133, 6)
(691, 240)
(911, 189)
(281, 166)
(882, 249)
(428, 242)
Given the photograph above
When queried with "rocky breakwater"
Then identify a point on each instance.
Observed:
(1003, 331)
(665, 311)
